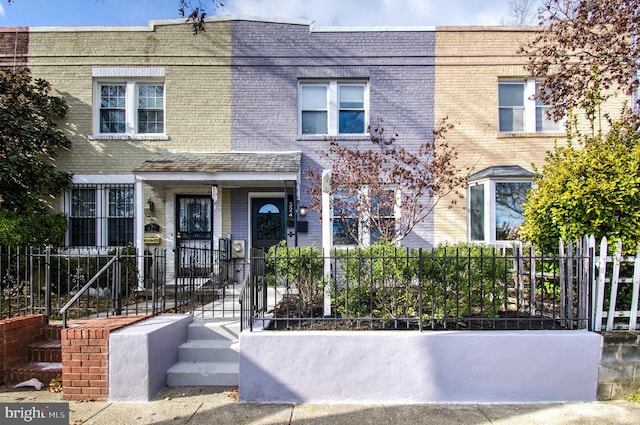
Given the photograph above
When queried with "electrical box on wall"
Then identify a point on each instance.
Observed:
(237, 249)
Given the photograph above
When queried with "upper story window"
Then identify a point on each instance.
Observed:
(520, 111)
(129, 103)
(333, 107)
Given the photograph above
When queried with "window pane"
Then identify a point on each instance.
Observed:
(120, 231)
(511, 119)
(195, 215)
(112, 121)
(477, 213)
(151, 97)
(351, 122)
(509, 199)
(543, 122)
(121, 202)
(343, 231)
(511, 94)
(314, 122)
(112, 96)
(314, 97)
(82, 219)
(352, 97)
(150, 121)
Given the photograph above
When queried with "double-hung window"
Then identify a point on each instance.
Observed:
(520, 111)
(333, 107)
(100, 215)
(129, 103)
(362, 218)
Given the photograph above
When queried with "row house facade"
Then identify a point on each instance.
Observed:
(183, 140)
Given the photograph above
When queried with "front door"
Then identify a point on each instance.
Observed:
(194, 232)
(267, 222)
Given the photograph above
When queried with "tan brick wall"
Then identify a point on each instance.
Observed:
(85, 357)
(197, 82)
(469, 62)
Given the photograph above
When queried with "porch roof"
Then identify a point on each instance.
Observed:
(231, 169)
(223, 162)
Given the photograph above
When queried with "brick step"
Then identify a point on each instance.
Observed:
(45, 351)
(44, 371)
(53, 331)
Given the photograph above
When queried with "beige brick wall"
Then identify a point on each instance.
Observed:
(197, 88)
(469, 62)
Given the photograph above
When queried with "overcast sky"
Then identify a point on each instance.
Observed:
(323, 12)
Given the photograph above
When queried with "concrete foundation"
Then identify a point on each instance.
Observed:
(414, 367)
(140, 355)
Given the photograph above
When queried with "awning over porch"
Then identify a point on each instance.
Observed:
(233, 168)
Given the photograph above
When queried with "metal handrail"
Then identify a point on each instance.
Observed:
(69, 303)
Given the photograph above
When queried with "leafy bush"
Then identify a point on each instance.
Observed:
(387, 281)
(34, 229)
(302, 267)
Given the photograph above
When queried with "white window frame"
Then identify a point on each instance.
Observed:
(333, 105)
(101, 214)
(489, 205)
(364, 232)
(530, 108)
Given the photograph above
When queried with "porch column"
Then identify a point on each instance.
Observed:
(327, 236)
(139, 230)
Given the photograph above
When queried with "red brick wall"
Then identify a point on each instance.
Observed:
(15, 335)
(85, 357)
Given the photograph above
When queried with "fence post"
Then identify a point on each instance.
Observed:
(615, 276)
(117, 284)
(47, 281)
(602, 275)
(633, 318)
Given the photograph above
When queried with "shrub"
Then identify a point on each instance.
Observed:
(302, 267)
(387, 281)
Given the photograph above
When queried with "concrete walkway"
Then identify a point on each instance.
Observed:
(210, 405)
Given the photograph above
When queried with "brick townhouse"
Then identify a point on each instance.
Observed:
(186, 140)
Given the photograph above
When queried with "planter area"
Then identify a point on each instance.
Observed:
(419, 367)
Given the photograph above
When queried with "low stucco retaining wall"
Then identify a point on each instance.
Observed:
(140, 355)
(414, 367)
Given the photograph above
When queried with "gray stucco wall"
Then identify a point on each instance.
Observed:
(270, 58)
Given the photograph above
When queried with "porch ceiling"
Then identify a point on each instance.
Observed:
(229, 168)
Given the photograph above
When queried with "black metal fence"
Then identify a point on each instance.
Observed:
(457, 287)
(44, 280)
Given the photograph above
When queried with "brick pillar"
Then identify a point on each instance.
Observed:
(85, 357)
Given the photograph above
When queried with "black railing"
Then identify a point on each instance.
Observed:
(253, 298)
(205, 283)
(45, 280)
(461, 287)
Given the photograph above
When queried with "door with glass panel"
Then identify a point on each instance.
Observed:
(193, 234)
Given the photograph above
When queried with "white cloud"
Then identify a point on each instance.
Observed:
(375, 12)
(2, 12)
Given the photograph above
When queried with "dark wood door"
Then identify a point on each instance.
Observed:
(267, 222)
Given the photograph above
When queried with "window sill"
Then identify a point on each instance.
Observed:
(128, 137)
(347, 137)
(554, 135)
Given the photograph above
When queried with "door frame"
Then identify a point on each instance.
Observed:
(257, 195)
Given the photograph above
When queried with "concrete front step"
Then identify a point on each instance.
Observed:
(186, 374)
(208, 350)
(43, 371)
(209, 357)
(225, 329)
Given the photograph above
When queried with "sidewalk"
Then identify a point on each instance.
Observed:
(212, 405)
